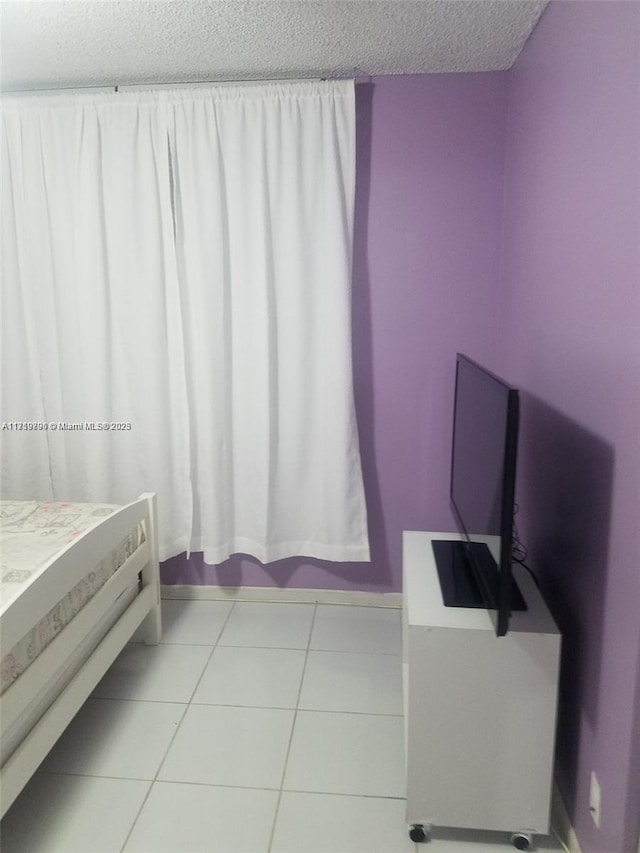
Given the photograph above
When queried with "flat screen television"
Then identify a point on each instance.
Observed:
(482, 496)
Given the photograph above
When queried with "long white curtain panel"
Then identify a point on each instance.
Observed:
(91, 327)
(180, 261)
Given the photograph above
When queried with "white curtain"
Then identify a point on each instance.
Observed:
(91, 328)
(181, 261)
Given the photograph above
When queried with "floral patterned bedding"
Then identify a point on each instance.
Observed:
(31, 533)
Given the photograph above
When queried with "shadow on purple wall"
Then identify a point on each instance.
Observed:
(303, 572)
(565, 491)
(379, 570)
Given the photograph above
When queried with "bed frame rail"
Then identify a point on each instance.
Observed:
(105, 633)
(66, 569)
(24, 761)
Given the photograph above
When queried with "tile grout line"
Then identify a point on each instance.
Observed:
(166, 752)
(279, 791)
(289, 708)
(293, 726)
(213, 648)
(218, 785)
(188, 703)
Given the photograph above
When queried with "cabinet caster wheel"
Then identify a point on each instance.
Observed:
(419, 833)
(522, 841)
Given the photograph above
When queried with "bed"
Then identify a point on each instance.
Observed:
(77, 581)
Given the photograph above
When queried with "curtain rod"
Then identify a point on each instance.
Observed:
(128, 87)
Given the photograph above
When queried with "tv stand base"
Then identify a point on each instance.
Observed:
(480, 710)
(420, 833)
(461, 586)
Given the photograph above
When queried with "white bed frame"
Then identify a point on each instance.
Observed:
(68, 669)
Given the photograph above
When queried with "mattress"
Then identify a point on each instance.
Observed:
(32, 533)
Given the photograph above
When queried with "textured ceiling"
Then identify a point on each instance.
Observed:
(72, 43)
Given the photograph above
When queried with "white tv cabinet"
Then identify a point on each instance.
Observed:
(480, 710)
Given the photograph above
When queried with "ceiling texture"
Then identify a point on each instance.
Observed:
(75, 43)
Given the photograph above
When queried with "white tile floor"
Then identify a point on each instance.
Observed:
(252, 728)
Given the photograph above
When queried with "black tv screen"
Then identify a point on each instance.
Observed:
(482, 493)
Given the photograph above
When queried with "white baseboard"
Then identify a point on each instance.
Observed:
(274, 594)
(561, 824)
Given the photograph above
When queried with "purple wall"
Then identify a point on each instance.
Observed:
(434, 274)
(427, 234)
(571, 302)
